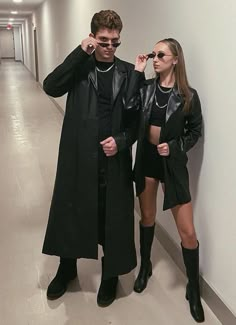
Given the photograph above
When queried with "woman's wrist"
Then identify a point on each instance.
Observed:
(138, 69)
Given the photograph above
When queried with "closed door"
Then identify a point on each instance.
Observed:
(36, 56)
(7, 44)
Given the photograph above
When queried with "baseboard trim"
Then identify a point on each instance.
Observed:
(218, 307)
(32, 75)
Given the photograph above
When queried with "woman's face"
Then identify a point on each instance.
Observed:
(165, 63)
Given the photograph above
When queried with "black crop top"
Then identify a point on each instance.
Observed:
(158, 112)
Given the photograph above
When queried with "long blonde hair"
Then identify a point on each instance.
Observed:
(181, 79)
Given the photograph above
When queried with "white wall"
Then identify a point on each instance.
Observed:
(28, 47)
(17, 43)
(205, 30)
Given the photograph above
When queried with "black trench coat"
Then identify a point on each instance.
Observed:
(181, 131)
(72, 229)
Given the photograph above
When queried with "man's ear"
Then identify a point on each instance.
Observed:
(91, 35)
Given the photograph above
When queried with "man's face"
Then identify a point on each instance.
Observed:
(106, 37)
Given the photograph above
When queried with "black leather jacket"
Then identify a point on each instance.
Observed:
(181, 131)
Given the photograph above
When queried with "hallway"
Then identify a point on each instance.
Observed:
(30, 132)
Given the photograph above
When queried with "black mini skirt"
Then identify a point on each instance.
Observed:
(152, 161)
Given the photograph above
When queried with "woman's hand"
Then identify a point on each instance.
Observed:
(163, 149)
(141, 62)
(89, 44)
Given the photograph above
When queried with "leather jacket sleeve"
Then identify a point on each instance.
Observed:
(192, 130)
(60, 80)
(126, 138)
(132, 98)
(131, 110)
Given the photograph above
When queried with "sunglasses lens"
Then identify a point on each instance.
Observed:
(151, 55)
(107, 44)
(116, 44)
(160, 55)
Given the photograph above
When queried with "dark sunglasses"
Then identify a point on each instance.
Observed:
(160, 55)
(108, 44)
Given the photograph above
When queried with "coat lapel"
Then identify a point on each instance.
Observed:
(174, 103)
(93, 77)
(92, 73)
(118, 79)
(148, 96)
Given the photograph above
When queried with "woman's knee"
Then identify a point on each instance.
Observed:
(188, 238)
(148, 217)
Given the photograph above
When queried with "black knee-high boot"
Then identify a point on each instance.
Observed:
(191, 261)
(146, 239)
(66, 272)
(107, 290)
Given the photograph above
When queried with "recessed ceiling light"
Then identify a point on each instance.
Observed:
(14, 12)
(17, 0)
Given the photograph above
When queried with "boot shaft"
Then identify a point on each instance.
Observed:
(67, 267)
(191, 261)
(146, 240)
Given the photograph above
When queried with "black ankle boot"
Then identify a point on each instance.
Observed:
(146, 239)
(191, 261)
(107, 290)
(66, 272)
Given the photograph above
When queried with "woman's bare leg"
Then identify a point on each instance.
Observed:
(183, 215)
(147, 201)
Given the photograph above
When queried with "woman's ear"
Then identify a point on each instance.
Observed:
(175, 61)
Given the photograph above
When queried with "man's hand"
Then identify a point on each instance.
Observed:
(109, 146)
(163, 149)
(89, 44)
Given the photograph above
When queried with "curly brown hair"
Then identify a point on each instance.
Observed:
(106, 19)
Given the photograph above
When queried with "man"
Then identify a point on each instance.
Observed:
(93, 196)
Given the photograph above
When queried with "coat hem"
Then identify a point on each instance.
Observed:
(172, 205)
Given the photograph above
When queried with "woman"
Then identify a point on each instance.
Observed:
(171, 122)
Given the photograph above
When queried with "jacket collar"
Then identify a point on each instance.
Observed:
(118, 76)
(92, 72)
(174, 102)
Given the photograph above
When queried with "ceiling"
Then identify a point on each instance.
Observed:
(25, 8)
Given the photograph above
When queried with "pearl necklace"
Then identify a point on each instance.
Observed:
(99, 70)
